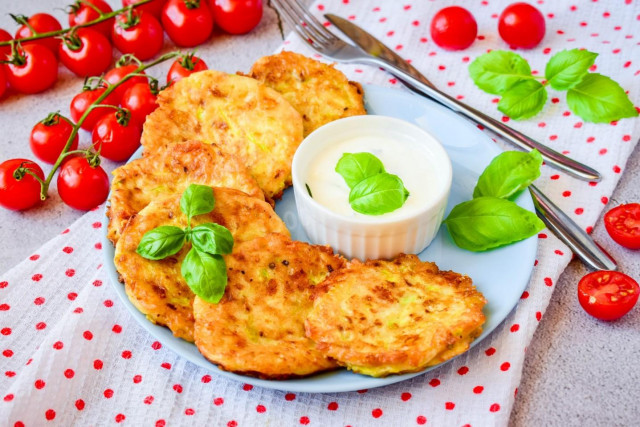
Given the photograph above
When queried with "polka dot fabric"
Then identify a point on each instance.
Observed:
(71, 354)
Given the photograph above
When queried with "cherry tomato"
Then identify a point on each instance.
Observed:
(23, 192)
(35, 69)
(521, 25)
(154, 7)
(115, 137)
(623, 225)
(114, 75)
(138, 33)
(85, 11)
(4, 50)
(454, 28)
(236, 16)
(49, 136)
(607, 295)
(3, 82)
(184, 67)
(81, 185)
(140, 102)
(86, 53)
(84, 99)
(41, 23)
(187, 22)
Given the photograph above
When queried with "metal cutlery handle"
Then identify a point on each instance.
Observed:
(570, 233)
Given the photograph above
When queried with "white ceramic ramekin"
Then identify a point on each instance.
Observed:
(377, 237)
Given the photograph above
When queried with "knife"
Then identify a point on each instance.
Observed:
(416, 81)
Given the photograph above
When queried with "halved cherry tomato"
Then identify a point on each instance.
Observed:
(4, 50)
(623, 225)
(236, 16)
(140, 101)
(521, 25)
(22, 191)
(85, 11)
(35, 69)
(116, 137)
(187, 22)
(114, 75)
(86, 52)
(49, 136)
(607, 295)
(154, 7)
(81, 185)
(138, 33)
(184, 67)
(41, 23)
(84, 99)
(454, 28)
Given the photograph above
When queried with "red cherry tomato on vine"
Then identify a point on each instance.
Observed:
(114, 75)
(454, 28)
(623, 225)
(184, 67)
(115, 137)
(35, 69)
(154, 7)
(49, 137)
(84, 99)
(85, 11)
(521, 25)
(41, 23)
(87, 53)
(4, 50)
(138, 33)
(607, 295)
(140, 102)
(187, 22)
(236, 16)
(22, 192)
(3, 82)
(81, 185)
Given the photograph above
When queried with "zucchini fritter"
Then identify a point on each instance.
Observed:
(171, 170)
(258, 327)
(318, 91)
(242, 116)
(157, 288)
(390, 317)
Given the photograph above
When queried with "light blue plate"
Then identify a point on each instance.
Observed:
(501, 275)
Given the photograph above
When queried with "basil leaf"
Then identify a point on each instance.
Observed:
(488, 222)
(497, 71)
(508, 173)
(565, 69)
(205, 274)
(378, 194)
(197, 200)
(525, 99)
(161, 242)
(354, 167)
(599, 99)
(212, 238)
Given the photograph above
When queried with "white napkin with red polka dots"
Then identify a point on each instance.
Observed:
(72, 354)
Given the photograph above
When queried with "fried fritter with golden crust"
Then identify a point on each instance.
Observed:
(257, 328)
(318, 91)
(389, 317)
(245, 118)
(157, 288)
(172, 170)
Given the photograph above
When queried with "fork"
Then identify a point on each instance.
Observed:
(330, 46)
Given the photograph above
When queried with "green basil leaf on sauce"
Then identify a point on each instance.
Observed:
(212, 238)
(508, 173)
(205, 274)
(354, 167)
(161, 242)
(197, 200)
(378, 194)
(489, 222)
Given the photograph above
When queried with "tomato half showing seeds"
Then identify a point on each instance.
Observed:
(138, 33)
(82, 101)
(187, 22)
(81, 185)
(140, 102)
(454, 28)
(41, 23)
(86, 53)
(153, 7)
(114, 75)
(623, 225)
(85, 11)
(22, 191)
(607, 295)
(521, 25)
(49, 136)
(236, 16)
(184, 67)
(34, 69)
(116, 137)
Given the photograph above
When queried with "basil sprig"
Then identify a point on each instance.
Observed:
(490, 219)
(591, 96)
(373, 190)
(203, 268)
